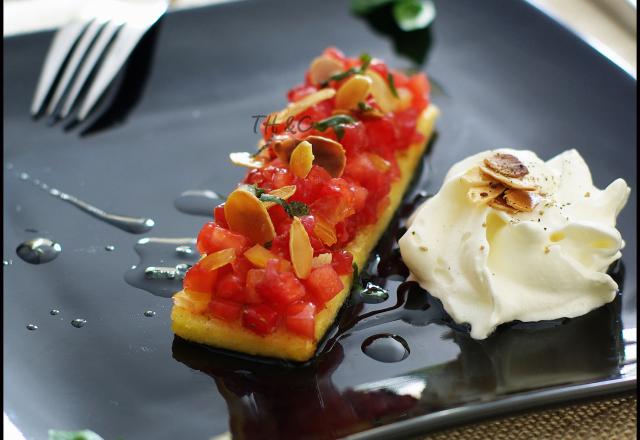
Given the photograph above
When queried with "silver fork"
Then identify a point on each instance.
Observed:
(82, 42)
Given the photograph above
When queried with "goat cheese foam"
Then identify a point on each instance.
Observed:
(490, 266)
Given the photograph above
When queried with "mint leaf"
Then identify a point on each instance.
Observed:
(365, 59)
(256, 190)
(411, 15)
(392, 84)
(336, 122)
(84, 434)
(293, 209)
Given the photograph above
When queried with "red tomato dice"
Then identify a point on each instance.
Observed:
(260, 318)
(279, 288)
(224, 309)
(213, 237)
(342, 262)
(301, 319)
(323, 284)
(218, 216)
(230, 286)
(254, 277)
(199, 279)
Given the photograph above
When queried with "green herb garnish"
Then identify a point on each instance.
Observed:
(411, 15)
(260, 150)
(256, 190)
(365, 59)
(336, 122)
(293, 209)
(84, 434)
(363, 106)
(392, 85)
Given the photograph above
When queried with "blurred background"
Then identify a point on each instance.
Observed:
(608, 25)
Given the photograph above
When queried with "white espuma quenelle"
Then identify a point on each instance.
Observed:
(511, 237)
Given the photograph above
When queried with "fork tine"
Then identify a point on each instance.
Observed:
(60, 47)
(88, 65)
(95, 26)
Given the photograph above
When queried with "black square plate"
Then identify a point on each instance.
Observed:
(507, 75)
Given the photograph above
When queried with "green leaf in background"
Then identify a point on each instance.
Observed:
(407, 23)
(84, 434)
(411, 15)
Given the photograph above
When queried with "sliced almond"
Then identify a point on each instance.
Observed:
(485, 193)
(325, 231)
(524, 201)
(510, 182)
(379, 163)
(300, 249)
(245, 159)
(322, 68)
(507, 165)
(283, 146)
(218, 259)
(248, 216)
(328, 154)
(321, 260)
(353, 91)
(195, 302)
(499, 204)
(405, 97)
(381, 92)
(284, 193)
(259, 255)
(301, 159)
(295, 108)
(475, 177)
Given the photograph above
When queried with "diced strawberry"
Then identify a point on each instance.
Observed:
(260, 318)
(213, 237)
(323, 284)
(199, 279)
(300, 319)
(279, 288)
(224, 309)
(230, 286)
(342, 262)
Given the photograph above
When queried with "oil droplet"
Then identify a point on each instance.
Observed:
(32, 327)
(149, 313)
(110, 248)
(386, 348)
(134, 225)
(198, 202)
(161, 268)
(78, 322)
(54, 312)
(184, 250)
(39, 250)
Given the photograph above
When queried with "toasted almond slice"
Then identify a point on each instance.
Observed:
(325, 231)
(354, 90)
(301, 105)
(321, 260)
(499, 204)
(196, 302)
(521, 200)
(484, 193)
(245, 159)
(218, 259)
(475, 177)
(247, 215)
(284, 193)
(283, 146)
(509, 182)
(405, 97)
(379, 163)
(381, 92)
(300, 249)
(322, 68)
(507, 165)
(259, 255)
(328, 154)
(301, 159)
